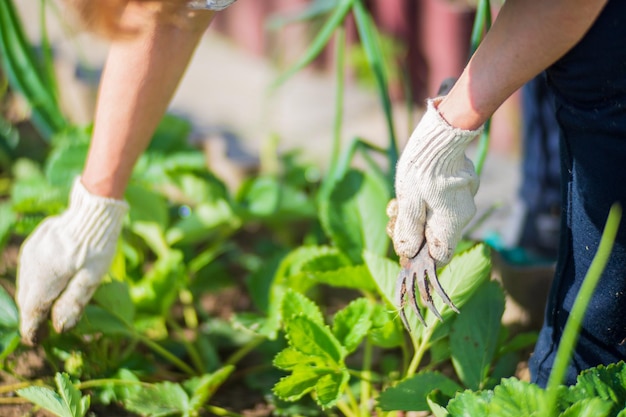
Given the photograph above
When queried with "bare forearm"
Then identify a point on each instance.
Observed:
(527, 37)
(139, 79)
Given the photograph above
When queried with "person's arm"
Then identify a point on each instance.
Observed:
(139, 80)
(63, 261)
(435, 182)
(527, 37)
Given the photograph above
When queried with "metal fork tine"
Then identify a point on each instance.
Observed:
(434, 281)
(413, 299)
(399, 297)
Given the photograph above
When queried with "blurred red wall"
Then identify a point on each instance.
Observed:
(435, 35)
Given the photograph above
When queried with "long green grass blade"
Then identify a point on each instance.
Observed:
(339, 94)
(24, 75)
(482, 23)
(319, 43)
(48, 72)
(371, 46)
(315, 9)
(572, 327)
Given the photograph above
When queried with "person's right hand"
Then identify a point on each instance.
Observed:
(435, 188)
(63, 261)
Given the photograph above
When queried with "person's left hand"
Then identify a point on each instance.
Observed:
(63, 261)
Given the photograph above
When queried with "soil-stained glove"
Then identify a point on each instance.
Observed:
(63, 261)
(435, 188)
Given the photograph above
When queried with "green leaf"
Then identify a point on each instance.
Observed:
(357, 277)
(385, 272)
(354, 216)
(35, 195)
(114, 297)
(437, 402)
(471, 404)
(589, 407)
(96, 320)
(312, 338)
(352, 323)
(410, 394)
(171, 135)
(606, 382)
(77, 404)
(7, 220)
(312, 259)
(298, 384)
(66, 163)
(162, 399)
(66, 403)
(46, 399)
(520, 341)
(460, 279)
(146, 206)
(207, 221)
(295, 271)
(288, 359)
(202, 388)
(330, 387)
(386, 332)
(296, 304)
(474, 334)
(195, 189)
(9, 316)
(517, 398)
(269, 198)
(157, 290)
(9, 341)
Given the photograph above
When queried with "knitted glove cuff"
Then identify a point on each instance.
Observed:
(435, 141)
(215, 5)
(92, 219)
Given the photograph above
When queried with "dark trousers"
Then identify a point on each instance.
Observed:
(589, 87)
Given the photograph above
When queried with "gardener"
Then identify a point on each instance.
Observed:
(581, 43)
(63, 261)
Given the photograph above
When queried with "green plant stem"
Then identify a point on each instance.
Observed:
(191, 349)
(572, 327)
(14, 387)
(482, 23)
(345, 409)
(244, 350)
(95, 383)
(174, 360)
(353, 402)
(219, 411)
(189, 312)
(340, 70)
(483, 147)
(420, 349)
(370, 377)
(13, 400)
(366, 387)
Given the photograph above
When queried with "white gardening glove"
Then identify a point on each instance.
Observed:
(63, 261)
(435, 188)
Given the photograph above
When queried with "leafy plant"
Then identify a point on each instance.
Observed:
(66, 401)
